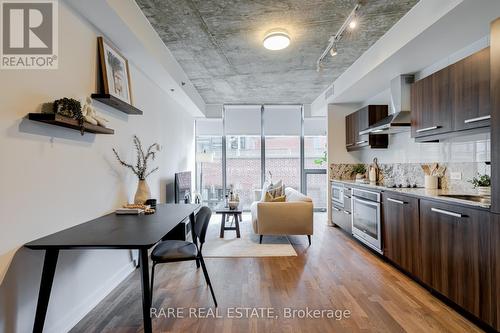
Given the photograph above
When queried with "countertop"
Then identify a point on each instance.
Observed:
(420, 193)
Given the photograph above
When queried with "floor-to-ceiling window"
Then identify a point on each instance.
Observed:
(243, 151)
(209, 161)
(254, 141)
(282, 130)
(315, 164)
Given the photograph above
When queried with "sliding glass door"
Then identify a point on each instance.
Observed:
(315, 161)
(209, 182)
(243, 167)
(243, 151)
(282, 130)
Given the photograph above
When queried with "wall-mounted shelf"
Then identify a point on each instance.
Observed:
(58, 120)
(116, 103)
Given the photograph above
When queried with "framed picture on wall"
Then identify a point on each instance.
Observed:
(115, 71)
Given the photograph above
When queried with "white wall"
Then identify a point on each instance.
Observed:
(52, 178)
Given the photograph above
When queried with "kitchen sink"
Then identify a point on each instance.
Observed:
(468, 197)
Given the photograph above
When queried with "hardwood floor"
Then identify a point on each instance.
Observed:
(335, 273)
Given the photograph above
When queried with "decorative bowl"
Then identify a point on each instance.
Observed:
(233, 204)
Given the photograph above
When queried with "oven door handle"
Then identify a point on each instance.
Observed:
(371, 203)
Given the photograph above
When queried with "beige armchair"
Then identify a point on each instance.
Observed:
(293, 217)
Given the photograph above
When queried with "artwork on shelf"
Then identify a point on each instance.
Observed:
(115, 72)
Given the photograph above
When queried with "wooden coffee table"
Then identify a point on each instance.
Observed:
(225, 211)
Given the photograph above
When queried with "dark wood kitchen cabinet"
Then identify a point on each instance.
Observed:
(495, 115)
(453, 99)
(470, 91)
(350, 138)
(456, 255)
(495, 270)
(430, 105)
(362, 119)
(401, 232)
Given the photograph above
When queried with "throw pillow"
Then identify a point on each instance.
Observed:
(265, 188)
(281, 198)
(275, 190)
(269, 198)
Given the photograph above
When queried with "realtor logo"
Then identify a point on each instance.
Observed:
(29, 34)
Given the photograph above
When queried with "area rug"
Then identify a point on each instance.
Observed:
(245, 247)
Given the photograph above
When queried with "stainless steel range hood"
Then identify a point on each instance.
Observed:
(400, 118)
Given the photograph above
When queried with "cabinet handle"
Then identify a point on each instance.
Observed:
(346, 212)
(360, 142)
(336, 209)
(396, 201)
(349, 144)
(473, 120)
(428, 129)
(446, 212)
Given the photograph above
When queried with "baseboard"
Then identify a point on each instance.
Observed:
(67, 322)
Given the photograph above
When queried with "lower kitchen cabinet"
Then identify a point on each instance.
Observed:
(456, 255)
(342, 219)
(401, 232)
(495, 269)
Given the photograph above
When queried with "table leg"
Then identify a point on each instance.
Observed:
(222, 225)
(237, 225)
(49, 269)
(146, 292)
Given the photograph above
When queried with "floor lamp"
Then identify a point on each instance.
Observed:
(201, 158)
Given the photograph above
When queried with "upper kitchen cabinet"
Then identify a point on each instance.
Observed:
(350, 138)
(361, 120)
(453, 99)
(430, 105)
(470, 91)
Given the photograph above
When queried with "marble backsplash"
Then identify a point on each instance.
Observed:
(412, 173)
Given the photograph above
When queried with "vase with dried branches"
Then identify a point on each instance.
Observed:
(141, 168)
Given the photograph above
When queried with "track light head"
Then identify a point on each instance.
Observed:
(333, 51)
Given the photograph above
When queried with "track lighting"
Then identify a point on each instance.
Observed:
(351, 22)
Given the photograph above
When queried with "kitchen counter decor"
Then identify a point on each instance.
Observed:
(483, 184)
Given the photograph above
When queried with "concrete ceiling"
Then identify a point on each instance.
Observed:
(218, 43)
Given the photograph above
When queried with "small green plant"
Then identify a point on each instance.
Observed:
(481, 181)
(359, 168)
(321, 160)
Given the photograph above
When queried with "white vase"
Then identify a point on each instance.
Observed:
(484, 190)
(142, 194)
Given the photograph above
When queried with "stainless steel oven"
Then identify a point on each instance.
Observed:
(366, 218)
(338, 194)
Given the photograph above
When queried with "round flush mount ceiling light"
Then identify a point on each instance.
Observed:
(277, 39)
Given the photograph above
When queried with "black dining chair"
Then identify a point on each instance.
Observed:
(177, 250)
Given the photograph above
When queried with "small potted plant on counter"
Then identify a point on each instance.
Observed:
(482, 183)
(360, 171)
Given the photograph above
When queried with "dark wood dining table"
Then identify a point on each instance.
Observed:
(111, 231)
